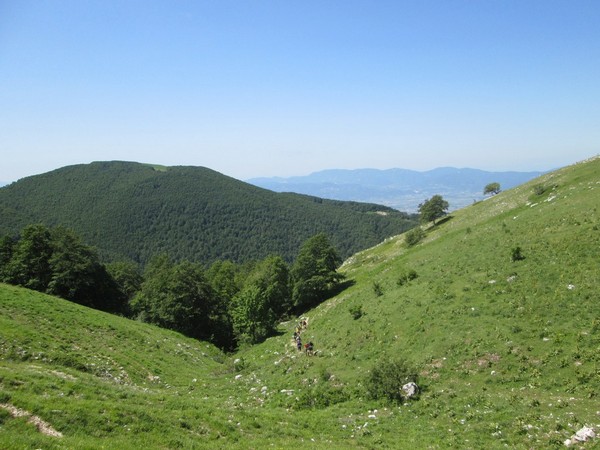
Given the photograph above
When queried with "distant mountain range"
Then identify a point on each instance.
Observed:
(401, 189)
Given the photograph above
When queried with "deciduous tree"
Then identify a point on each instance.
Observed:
(491, 188)
(78, 275)
(264, 300)
(314, 272)
(177, 297)
(433, 209)
(30, 262)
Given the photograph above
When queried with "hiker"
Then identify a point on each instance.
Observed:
(309, 348)
(299, 343)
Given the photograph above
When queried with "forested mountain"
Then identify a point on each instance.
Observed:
(399, 188)
(134, 211)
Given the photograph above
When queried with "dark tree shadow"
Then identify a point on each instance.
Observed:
(334, 290)
(442, 221)
(340, 287)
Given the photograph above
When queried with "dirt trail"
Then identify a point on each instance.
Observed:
(41, 425)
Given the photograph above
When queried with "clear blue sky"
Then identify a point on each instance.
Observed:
(265, 88)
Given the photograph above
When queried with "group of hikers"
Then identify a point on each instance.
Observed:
(309, 347)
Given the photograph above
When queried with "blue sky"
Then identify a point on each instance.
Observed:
(280, 88)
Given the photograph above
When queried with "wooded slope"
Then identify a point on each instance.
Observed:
(132, 210)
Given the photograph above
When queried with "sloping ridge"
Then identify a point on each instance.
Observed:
(502, 321)
(507, 349)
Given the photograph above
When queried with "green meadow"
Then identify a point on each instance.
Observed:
(496, 309)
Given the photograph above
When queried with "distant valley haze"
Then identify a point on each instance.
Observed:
(401, 189)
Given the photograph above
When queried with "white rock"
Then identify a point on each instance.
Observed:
(238, 377)
(410, 389)
(584, 434)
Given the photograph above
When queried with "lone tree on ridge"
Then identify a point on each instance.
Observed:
(492, 188)
(433, 209)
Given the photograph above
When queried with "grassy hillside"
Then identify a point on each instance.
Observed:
(135, 211)
(508, 352)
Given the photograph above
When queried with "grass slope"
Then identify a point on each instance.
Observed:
(136, 211)
(508, 352)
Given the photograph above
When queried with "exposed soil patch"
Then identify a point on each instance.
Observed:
(42, 426)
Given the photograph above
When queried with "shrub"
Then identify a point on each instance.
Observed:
(516, 254)
(356, 312)
(406, 275)
(386, 379)
(414, 236)
(377, 289)
(539, 189)
(239, 364)
(321, 396)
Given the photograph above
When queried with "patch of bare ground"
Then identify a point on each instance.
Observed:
(431, 370)
(41, 425)
(484, 361)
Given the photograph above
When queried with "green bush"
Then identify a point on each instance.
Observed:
(516, 254)
(414, 236)
(539, 189)
(356, 312)
(406, 275)
(321, 396)
(377, 289)
(386, 379)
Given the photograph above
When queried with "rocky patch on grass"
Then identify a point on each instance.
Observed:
(41, 425)
(583, 435)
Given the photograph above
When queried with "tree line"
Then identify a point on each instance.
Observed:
(226, 303)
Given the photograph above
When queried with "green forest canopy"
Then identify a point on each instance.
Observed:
(134, 211)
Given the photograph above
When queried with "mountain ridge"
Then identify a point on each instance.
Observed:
(402, 189)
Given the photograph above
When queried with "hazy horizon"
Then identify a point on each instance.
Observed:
(300, 175)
